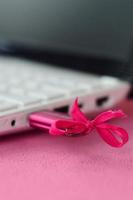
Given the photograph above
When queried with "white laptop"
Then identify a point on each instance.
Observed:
(27, 86)
(38, 30)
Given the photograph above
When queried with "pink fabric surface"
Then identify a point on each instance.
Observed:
(38, 166)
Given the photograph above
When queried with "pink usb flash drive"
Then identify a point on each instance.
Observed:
(78, 124)
(44, 120)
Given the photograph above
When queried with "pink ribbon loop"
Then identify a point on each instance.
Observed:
(113, 135)
(79, 124)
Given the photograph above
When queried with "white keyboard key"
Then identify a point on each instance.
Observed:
(69, 88)
(97, 87)
(22, 100)
(17, 92)
(78, 91)
(54, 95)
(31, 85)
(48, 95)
(3, 88)
(109, 81)
(7, 105)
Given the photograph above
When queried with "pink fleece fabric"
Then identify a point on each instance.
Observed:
(37, 166)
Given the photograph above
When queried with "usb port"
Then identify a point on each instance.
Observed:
(101, 101)
(62, 109)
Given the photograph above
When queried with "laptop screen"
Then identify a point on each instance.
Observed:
(92, 27)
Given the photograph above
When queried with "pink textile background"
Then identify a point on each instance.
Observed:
(36, 166)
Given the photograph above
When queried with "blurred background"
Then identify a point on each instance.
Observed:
(94, 35)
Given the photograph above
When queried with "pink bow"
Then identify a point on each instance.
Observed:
(79, 124)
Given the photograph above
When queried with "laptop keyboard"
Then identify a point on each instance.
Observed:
(24, 83)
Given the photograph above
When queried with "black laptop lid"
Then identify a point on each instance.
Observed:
(94, 35)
